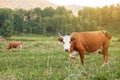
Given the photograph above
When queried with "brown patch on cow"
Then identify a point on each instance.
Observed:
(14, 45)
(60, 39)
(90, 42)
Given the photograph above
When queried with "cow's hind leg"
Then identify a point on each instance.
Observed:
(105, 52)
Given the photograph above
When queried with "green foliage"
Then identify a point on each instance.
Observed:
(7, 29)
(5, 14)
(52, 21)
(18, 21)
(6, 23)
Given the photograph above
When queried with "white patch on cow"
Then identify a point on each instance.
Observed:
(73, 54)
(66, 41)
(20, 46)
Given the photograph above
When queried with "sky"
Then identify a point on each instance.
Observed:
(90, 3)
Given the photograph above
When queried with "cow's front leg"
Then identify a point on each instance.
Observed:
(72, 60)
(82, 57)
(72, 56)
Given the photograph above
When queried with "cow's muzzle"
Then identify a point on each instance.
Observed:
(66, 50)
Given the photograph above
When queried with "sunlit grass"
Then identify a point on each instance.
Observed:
(43, 58)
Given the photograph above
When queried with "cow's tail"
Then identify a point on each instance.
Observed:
(107, 34)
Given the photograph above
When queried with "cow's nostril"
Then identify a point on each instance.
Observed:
(66, 50)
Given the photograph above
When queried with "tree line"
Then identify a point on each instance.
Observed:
(51, 21)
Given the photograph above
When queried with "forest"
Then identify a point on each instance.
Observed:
(50, 21)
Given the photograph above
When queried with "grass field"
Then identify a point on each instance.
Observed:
(43, 58)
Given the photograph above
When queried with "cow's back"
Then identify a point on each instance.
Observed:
(90, 41)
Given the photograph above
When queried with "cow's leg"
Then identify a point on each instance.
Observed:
(72, 56)
(12, 48)
(8, 48)
(72, 60)
(20, 46)
(105, 52)
(82, 57)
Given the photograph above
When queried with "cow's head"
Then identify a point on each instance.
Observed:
(66, 42)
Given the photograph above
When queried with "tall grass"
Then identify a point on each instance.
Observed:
(43, 58)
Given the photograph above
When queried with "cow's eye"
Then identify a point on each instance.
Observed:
(72, 39)
(63, 42)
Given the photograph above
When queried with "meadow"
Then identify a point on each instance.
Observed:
(43, 58)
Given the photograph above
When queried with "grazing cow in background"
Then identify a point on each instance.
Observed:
(15, 45)
(86, 43)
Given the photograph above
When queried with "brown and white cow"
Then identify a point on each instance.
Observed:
(15, 45)
(86, 43)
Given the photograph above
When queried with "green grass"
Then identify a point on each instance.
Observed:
(43, 58)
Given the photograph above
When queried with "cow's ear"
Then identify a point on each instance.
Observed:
(60, 39)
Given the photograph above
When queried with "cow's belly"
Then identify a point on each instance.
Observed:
(94, 51)
(75, 53)
(92, 47)
(14, 46)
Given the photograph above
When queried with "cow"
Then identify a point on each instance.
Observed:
(80, 43)
(15, 45)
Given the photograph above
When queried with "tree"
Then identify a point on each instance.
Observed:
(60, 10)
(4, 15)
(18, 22)
(48, 12)
(7, 29)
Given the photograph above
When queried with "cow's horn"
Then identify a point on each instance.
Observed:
(59, 34)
